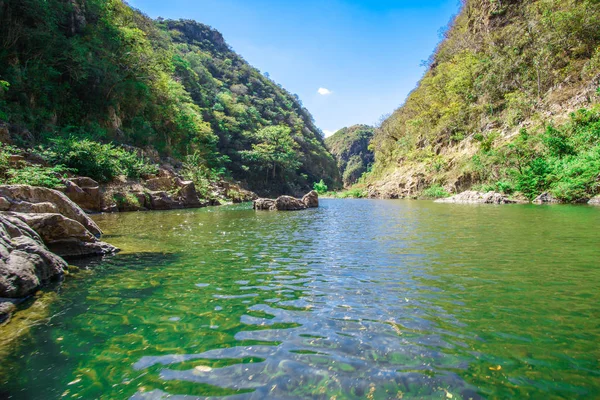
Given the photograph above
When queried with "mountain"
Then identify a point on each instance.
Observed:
(509, 103)
(100, 70)
(350, 147)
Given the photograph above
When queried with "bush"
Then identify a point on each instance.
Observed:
(36, 175)
(320, 187)
(102, 162)
(435, 192)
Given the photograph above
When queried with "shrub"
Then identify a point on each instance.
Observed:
(102, 162)
(35, 175)
(435, 192)
(320, 187)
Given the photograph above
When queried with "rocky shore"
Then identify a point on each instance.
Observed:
(39, 228)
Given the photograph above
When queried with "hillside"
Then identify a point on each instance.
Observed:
(74, 70)
(509, 103)
(350, 147)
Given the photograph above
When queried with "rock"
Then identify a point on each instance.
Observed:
(187, 194)
(546, 198)
(162, 183)
(72, 248)
(6, 309)
(55, 227)
(63, 236)
(32, 195)
(594, 201)
(162, 201)
(4, 204)
(26, 263)
(472, 197)
(288, 203)
(264, 204)
(311, 200)
(85, 192)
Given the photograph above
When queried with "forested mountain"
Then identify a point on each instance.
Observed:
(350, 147)
(509, 103)
(98, 70)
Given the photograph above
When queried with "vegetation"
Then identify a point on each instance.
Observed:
(350, 147)
(320, 187)
(435, 192)
(563, 160)
(102, 162)
(100, 72)
(503, 66)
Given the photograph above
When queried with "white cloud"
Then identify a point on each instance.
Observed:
(324, 92)
(327, 133)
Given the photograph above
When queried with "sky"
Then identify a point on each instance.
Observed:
(350, 61)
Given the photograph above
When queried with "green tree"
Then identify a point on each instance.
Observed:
(275, 152)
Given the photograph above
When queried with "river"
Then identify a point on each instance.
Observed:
(357, 299)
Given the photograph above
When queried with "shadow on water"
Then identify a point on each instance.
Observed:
(357, 299)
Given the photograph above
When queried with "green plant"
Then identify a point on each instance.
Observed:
(36, 175)
(102, 162)
(435, 192)
(320, 187)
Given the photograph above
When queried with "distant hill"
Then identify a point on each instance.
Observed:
(101, 70)
(350, 147)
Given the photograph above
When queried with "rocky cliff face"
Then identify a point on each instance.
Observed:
(350, 147)
(38, 227)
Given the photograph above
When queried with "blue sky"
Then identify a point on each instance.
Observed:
(366, 54)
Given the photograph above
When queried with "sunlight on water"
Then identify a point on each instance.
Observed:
(357, 299)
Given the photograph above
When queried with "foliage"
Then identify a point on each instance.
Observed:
(320, 187)
(500, 65)
(275, 152)
(435, 192)
(36, 175)
(102, 162)
(350, 147)
(100, 66)
(564, 160)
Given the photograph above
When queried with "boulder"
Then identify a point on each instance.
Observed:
(187, 194)
(546, 198)
(311, 200)
(85, 192)
(473, 197)
(594, 201)
(288, 203)
(162, 201)
(63, 236)
(26, 263)
(264, 204)
(20, 196)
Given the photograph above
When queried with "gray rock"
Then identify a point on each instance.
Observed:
(311, 199)
(288, 203)
(24, 195)
(546, 198)
(85, 192)
(6, 310)
(472, 197)
(595, 201)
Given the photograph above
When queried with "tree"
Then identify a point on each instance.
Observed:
(275, 152)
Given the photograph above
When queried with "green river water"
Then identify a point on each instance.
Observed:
(357, 299)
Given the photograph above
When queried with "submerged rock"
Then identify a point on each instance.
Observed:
(473, 197)
(288, 203)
